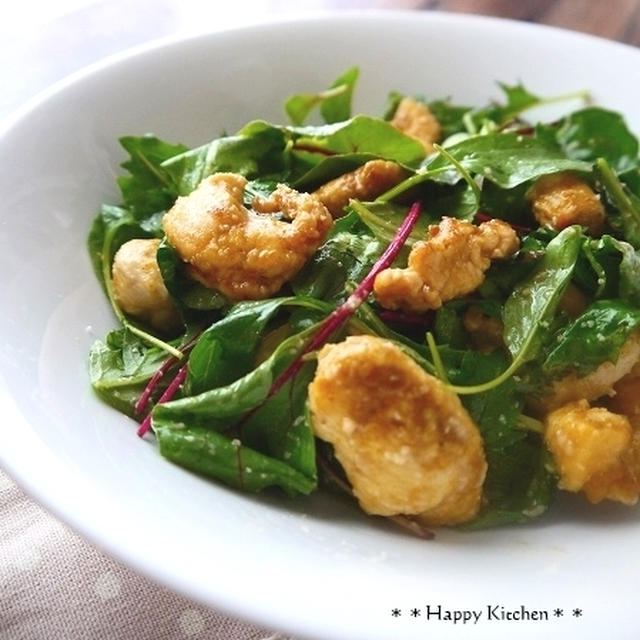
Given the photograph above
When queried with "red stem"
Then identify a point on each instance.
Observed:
(145, 396)
(342, 313)
(169, 392)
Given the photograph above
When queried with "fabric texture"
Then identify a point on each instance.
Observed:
(55, 586)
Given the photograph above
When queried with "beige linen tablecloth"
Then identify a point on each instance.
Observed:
(55, 586)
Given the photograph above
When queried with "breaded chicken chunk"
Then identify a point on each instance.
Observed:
(562, 199)
(364, 183)
(596, 451)
(596, 384)
(138, 286)
(245, 254)
(451, 262)
(415, 119)
(406, 443)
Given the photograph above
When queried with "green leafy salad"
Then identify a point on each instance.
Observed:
(435, 310)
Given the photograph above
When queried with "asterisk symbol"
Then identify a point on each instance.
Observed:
(558, 613)
(415, 612)
(395, 612)
(577, 613)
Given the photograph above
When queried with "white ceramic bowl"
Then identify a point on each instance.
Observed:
(314, 567)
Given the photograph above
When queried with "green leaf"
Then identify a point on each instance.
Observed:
(594, 337)
(227, 459)
(625, 217)
(594, 133)
(362, 134)
(120, 367)
(507, 159)
(258, 432)
(257, 151)
(187, 292)
(518, 485)
(345, 257)
(529, 310)
(148, 188)
(335, 102)
(227, 350)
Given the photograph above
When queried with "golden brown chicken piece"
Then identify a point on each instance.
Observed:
(244, 253)
(594, 385)
(596, 451)
(451, 262)
(415, 119)
(406, 443)
(138, 286)
(364, 183)
(562, 199)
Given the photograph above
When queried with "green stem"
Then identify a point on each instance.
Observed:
(437, 360)
(463, 172)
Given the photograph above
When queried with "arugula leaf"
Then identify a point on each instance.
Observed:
(226, 459)
(529, 310)
(594, 337)
(148, 189)
(335, 102)
(259, 150)
(626, 215)
(594, 133)
(518, 485)
(120, 366)
(273, 441)
(345, 257)
(361, 134)
(508, 159)
(609, 267)
(227, 349)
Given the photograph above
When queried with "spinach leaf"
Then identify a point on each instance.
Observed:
(345, 257)
(594, 133)
(361, 134)
(120, 367)
(226, 459)
(609, 267)
(227, 349)
(594, 337)
(335, 102)
(625, 216)
(518, 485)
(259, 150)
(256, 433)
(149, 188)
(529, 310)
(507, 159)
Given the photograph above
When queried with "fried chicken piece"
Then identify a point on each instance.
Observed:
(415, 119)
(596, 451)
(451, 262)
(406, 443)
(594, 385)
(366, 182)
(138, 286)
(240, 252)
(562, 199)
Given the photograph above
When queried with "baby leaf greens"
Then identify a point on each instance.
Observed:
(225, 394)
